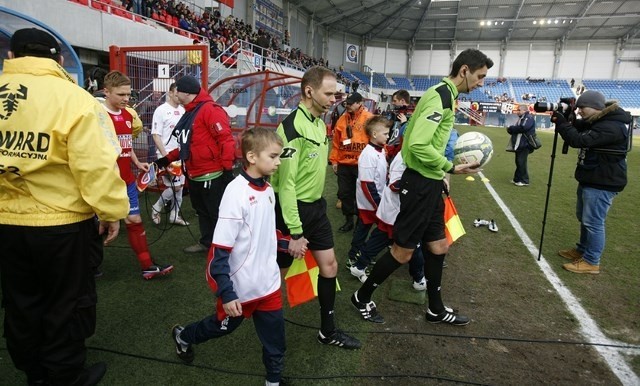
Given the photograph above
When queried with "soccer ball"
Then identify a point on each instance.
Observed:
(472, 147)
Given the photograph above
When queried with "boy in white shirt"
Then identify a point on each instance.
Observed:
(242, 268)
(165, 118)
(372, 178)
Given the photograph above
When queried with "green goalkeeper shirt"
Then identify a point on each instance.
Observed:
(303, 167)
(428, 130)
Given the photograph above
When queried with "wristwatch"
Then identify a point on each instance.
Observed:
(296, 236)
(452, 170)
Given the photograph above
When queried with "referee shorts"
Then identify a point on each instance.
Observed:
(316, 226)
(421, 217)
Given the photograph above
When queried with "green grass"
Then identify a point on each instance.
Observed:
(491, 277)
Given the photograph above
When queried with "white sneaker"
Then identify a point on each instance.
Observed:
(480, 222)
(420, 285)
(521, 184)
(179, 221)
(359, 273)
(155, 217)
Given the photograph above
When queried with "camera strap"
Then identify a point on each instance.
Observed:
(629, 139)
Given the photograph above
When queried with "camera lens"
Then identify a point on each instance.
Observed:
(542, 107)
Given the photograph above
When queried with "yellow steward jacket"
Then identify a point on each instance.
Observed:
(58, 149)
(349, 137)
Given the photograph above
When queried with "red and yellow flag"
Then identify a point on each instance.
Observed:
(302, 280)
(453, 225)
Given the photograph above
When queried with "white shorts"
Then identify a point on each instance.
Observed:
(172, 181)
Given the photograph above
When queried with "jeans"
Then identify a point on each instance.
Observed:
(591, 210)
(137, 6)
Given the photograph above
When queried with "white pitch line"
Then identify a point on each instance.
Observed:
(588, 327)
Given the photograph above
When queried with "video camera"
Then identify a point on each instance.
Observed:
(566, 107)
(393, 112)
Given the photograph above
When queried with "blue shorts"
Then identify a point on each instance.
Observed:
(134, 205)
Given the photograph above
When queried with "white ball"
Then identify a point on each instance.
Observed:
(472, 147)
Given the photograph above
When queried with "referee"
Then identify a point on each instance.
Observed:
(301, 211)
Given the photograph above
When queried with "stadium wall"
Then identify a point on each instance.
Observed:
(89, 28)
(579, 59)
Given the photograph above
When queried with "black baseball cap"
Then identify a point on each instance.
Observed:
(354, 98)
(33, 41)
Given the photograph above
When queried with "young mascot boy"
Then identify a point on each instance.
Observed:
(242, 267)
(372, 177)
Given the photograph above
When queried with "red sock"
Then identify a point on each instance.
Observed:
(138, 241)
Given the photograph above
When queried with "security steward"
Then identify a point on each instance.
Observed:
(349, 139)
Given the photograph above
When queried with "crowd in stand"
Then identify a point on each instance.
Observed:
(224, 33)
(504, 97)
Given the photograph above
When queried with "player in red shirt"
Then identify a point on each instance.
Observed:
(117, 89)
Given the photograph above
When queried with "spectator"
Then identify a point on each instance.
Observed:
(195, 60)
(354, 86)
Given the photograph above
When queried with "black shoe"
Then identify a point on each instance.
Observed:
(351, 262)
(340, 339)
(447, 316)
(368, 311)
(347, 227)
(91, 375)
(185, 353)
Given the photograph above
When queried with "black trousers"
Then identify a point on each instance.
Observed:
(269, 326)
(522, 172)
(49, 296)
(205, 199)
(347, 179)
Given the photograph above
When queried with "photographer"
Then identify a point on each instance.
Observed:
(602, 136)
(400, 101)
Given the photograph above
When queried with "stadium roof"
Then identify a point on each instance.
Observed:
(442, 21)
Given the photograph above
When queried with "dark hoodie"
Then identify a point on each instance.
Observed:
(602, 140)
(212, 147)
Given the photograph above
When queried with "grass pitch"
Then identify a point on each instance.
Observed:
(491, 277)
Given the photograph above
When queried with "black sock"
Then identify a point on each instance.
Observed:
(433, 273)
(327, 299)
(380, 272)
